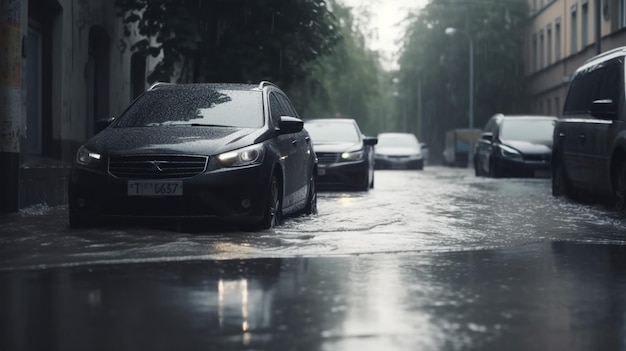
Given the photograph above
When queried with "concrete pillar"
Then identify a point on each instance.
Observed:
(10, 102)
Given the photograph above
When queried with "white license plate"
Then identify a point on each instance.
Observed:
(155, 188)
(321, 171)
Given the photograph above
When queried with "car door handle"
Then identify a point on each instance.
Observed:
(582, 138)
(294, 142)
(561, 135)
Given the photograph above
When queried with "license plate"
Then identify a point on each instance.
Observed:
(154, 188)
(321, 171)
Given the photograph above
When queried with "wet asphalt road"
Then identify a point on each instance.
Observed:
(433, 260)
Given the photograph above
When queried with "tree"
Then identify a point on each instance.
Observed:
(440, 62)
(230, 40)
(347, 81)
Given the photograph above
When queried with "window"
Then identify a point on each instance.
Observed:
(557, 105)
(574, 31)
(584, 24)
(541, 50)
(557, 39)
(535, 54)
(549, 45)
(621, 13)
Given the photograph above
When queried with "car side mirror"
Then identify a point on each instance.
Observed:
(603, 109)
(102, 124)
(289, 125)
(370, 141)
(424, 145)
(487, 136)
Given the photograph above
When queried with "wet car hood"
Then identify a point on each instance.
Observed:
(396, 151)
(527, 147)
(172, 139)
(336, 146)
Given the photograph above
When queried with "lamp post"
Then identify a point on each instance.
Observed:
(453, 31)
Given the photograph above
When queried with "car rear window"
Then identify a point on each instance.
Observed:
(527, 129)
(332, 132)
(195, 106)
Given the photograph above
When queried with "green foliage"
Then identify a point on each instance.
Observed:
(346, 82)
(230, 41)
(441, 63)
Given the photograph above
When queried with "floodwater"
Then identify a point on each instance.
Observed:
(433, 260)
(436, 210)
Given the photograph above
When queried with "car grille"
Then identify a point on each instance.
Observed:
(326, 157)
(538, 158)
(157, 166)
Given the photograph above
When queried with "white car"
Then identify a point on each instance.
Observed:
(398, 151)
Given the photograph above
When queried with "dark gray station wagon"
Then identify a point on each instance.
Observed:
(589, 154)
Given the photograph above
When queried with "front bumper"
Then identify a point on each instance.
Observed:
(523, 169)
(344, 174)
(398, 163)
(236, 194)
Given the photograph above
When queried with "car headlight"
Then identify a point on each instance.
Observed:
(352, 156)
(246, 156)
(510, 153)
(86, 157)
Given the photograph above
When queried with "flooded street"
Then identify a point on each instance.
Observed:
(432, 260)
(436, 210)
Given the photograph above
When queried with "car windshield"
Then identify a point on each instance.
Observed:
(332, 132)
(527, 129)
(397, 140)
(196, 106)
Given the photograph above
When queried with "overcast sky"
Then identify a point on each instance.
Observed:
(386, 20)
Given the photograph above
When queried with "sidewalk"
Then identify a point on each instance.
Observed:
(43, 181)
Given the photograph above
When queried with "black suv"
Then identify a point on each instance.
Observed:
(589, 154)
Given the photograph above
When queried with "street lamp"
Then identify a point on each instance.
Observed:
(453, 31)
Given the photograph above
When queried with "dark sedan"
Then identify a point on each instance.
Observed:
(236, 152)
(345, 155)
(515, 146)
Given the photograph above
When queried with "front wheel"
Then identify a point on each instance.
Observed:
(620, 188)
(311, 204)
(560, 182)
(273, 206)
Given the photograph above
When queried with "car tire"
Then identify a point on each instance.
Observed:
(420, 165)
(619, 188)
(311, 203)
(493, 169)
(79, 221)
(560, 183)
(372, 181)
(273, 214)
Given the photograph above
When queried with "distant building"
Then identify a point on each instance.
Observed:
(562, 35)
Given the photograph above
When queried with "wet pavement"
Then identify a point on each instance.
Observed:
(433, 260)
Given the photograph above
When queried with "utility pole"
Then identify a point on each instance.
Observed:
(10, 102)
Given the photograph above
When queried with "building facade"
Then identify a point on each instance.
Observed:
(562, 35)
(65, 64)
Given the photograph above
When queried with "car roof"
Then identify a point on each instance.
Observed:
(338, 120)
(502, 116)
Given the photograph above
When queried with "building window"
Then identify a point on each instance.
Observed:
(535, 54)
(584, 23)
(549, 45)
(621, 12)
(557, 39)
(541, 50)
(557, 105)
(574, 31)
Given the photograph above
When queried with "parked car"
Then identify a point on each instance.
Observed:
(398, 151)
(235, 152)
(515, 146)
(589, 156)
(345, 155)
